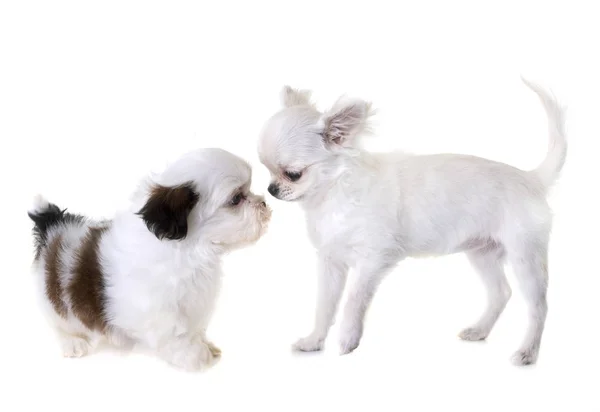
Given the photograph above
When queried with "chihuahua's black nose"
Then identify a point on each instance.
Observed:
(273, 189)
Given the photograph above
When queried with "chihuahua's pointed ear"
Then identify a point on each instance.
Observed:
(167, 210)
(345, 120)
(295, 97)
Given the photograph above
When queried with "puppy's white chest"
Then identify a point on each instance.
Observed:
(193, 297)
(165, 303)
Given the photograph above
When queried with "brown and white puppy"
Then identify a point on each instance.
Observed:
(151, 275)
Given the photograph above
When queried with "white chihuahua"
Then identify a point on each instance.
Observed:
(369, 211)
(151, 275)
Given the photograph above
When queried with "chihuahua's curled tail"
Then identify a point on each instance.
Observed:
(549, 169)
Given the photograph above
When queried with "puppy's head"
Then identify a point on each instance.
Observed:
(205, 195)
(301, 146)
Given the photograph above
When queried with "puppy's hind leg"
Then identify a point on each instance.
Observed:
(530, 264)
(489, 262)
(77, 346)
(75, 340)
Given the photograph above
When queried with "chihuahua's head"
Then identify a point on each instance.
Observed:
(302, 146)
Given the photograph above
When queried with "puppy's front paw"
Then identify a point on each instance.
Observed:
(216, 352)
(473, 334)
(194, 357)
(524, 357)
(308, 344)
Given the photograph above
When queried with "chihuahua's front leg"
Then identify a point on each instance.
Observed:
(369, 276)
(332, 278)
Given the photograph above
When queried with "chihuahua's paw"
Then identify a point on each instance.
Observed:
(524, 357)
(348, 343)
(473, 334)
(308, 344)
(350, 337)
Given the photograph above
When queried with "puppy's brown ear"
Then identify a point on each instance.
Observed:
(295, 97)
(167, 209)
(344, 121)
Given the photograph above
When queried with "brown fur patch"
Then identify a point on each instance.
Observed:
(167, 209)
(53, 267)
(174, 197)
(86, 289)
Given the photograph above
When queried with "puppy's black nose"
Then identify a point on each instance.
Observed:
(273, 189)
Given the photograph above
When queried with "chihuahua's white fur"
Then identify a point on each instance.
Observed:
(369, 211)
(160, 293)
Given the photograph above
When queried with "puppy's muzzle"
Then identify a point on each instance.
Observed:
(264, 212)
(262, 205)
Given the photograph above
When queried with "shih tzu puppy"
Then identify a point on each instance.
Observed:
(151, 275)
(369, 211)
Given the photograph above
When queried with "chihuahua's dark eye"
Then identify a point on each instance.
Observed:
(237, 199)
(293, 176)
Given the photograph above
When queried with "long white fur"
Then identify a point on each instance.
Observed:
(370, 211)
(160, 294)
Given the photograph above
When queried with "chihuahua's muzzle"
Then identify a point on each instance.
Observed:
(274, 190)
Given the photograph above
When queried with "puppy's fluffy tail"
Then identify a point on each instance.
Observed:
(549, 170)
(46, 215)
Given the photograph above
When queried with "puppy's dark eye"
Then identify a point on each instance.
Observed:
(293, 176)
(236, 200)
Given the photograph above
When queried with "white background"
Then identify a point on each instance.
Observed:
(95, 94)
